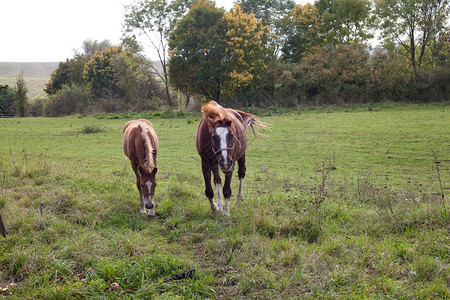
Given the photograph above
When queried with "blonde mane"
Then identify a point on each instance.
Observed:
(213, 109)
(149, 163)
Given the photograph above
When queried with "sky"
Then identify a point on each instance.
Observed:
(51, 30)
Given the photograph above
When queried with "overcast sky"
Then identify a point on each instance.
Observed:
(50, 30)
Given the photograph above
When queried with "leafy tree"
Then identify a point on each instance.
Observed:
(247, 51)
(134, 78)
(413, 25)
(98, 73)
(6, 98)
(346, 21)
(335, 74)
(197, 51)
(155, 20)
(304, 33)
(119, 74)
(68, 72)
(89, 47)
(20, 96)
(71, 71)
(271, 13)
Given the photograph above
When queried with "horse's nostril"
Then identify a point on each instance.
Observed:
(230, 162)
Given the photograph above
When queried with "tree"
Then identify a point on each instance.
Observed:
(67, 73)
(99, 76)
(155, 20)
(20, 96)
(71, 71)
(89, 47)
(413, 25)
(304, 33)
(247, 51)
(6, 98)
(346, 21)
(271, 13)
(197, 51)
(119, 74)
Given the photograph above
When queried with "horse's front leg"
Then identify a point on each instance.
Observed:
(241, 175)
(208, 188)
(138, 185)
(227, 193)
(218, 184)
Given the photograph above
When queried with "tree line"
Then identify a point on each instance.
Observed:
(261, 53)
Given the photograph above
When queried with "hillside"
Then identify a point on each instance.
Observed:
(36, 75)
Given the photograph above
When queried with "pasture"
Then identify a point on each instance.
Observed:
(338, 204)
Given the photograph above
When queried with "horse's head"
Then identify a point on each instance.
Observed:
(223, 143)
(148, 184)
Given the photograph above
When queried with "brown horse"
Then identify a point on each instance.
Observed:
(140, 145)
(221, 140)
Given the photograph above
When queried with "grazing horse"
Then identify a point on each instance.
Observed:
(221, 140)
(140, 145)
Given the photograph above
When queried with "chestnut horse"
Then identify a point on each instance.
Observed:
(221, 140)
(140, 145)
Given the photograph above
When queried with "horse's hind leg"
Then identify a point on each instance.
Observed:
(218, 184)
(241, 175)
(209, 193)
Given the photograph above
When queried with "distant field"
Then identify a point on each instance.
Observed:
(337, 205)
(36, 75)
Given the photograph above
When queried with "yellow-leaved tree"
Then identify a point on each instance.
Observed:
(247, 52)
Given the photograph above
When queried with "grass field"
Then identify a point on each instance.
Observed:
(338, 204)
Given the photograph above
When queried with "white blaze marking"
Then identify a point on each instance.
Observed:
(222, 133)
(149, 199)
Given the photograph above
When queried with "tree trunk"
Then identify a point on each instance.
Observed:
(3, 230)
(187, 101)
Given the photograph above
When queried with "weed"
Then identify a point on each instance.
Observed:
(92, 129)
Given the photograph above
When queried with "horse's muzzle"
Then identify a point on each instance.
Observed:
(226, 165)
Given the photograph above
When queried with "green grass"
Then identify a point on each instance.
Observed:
(338, 204)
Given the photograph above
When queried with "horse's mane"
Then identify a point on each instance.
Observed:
(149, 162)
(215, 110)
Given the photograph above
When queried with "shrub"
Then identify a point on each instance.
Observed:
(70, 99)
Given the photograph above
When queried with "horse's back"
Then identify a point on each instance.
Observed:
(132, 135)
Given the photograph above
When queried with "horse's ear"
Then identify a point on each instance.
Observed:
(227, 122)
(141, 170)
(155, 170)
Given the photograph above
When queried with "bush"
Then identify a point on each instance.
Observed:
(70, 99)
(36, 108)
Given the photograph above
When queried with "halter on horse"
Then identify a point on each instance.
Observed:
(221, 140)
(140, 145)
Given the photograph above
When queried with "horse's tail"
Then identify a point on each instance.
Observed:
(250, 120)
